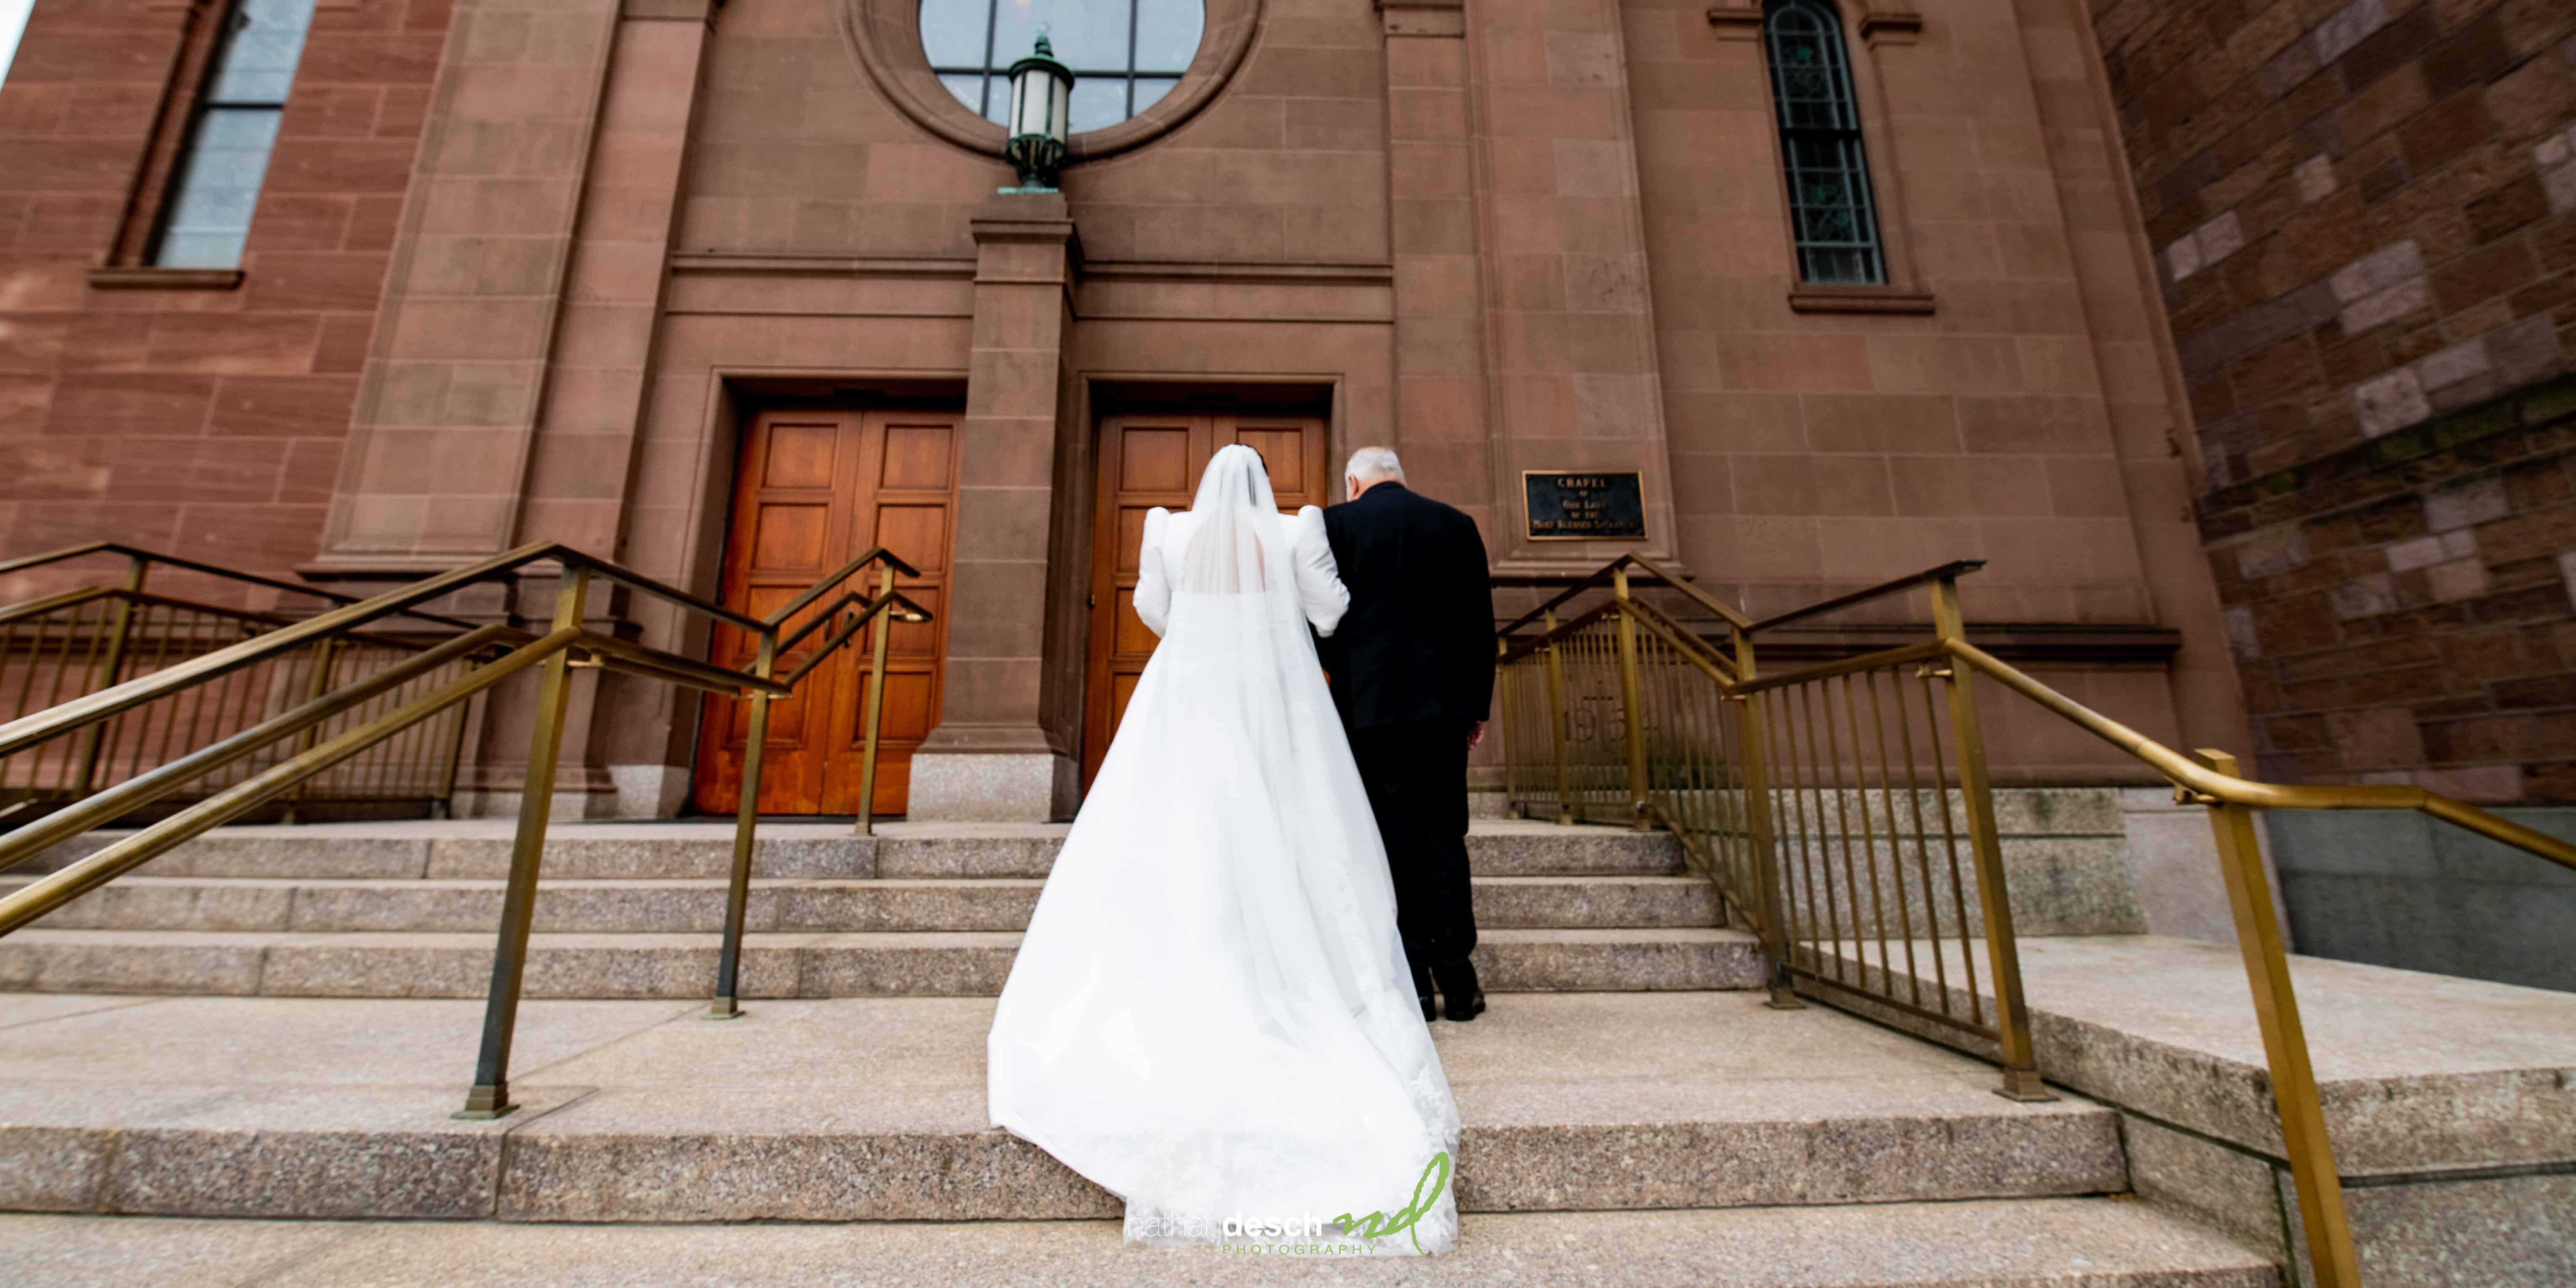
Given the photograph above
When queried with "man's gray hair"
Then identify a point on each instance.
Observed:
(1369, 464)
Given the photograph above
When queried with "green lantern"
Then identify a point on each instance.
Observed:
(1041, 105)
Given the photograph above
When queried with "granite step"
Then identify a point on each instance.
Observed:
(606, 907)
(479, 849)
(2043, 1243)
(666, 965)
(874, 1110)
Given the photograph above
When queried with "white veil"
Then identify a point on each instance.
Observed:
(1231, 552)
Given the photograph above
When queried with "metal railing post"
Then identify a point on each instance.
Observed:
(325, 654)
(1757, 825)
(880, 629)
(490, 1097)
(443, 803)
(1503, 727)
(2331, 1261)
(746, 825)
(1994, 901)
(1556, 721)
(94, 739)
(1631, 704)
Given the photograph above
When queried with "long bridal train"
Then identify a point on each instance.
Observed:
(1210, 1015)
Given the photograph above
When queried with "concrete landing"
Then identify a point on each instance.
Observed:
(874, 1110)
(2058, 1243)
(2451, 1103)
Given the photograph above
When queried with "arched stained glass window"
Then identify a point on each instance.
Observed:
(1125, 54)
(1830, 210)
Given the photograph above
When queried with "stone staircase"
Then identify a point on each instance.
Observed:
(632, 911)
(273, 1026)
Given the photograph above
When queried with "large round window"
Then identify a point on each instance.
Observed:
(1125, 54)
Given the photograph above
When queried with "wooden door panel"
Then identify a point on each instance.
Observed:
(1280, 456)
(916, 533)
(1146, 461)
(815, 489)
(1292, 450)
(1131, 539)
(801, 455)
(1121, 688)
(917, 457)
(908, 711)
(791, 536)
(1155, 458)
(1134, 639)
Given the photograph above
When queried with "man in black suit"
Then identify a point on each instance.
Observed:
(1413, 674)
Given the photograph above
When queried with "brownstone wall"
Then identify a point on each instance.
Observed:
(2364, 219)
(2401, 610)
(203, 422)
(2015, 401)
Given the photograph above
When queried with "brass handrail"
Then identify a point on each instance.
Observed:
(142, 560)
(1675, 581)
(2209, 778)
(567, 644)
(1950, 571)
(91, 708)
(2212, 786)
(86, 549)
(145, 788)
(73, 880)
(904, 610)
(875, 555)
(88, 594)
(61, 638)
(1610, 571)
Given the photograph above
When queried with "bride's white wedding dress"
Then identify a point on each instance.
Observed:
(1210, 1015)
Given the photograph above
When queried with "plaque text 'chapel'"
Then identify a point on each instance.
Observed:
(1587, 506)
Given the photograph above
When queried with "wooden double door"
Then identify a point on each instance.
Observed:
(816, 489)
(1151, 460)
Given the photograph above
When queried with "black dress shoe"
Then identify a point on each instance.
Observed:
(1464, 1006)
(1428, 1009)
(1461, 998)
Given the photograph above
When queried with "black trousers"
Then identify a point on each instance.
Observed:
(1416, 775)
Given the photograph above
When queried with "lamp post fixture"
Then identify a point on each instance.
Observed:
(1041, 100)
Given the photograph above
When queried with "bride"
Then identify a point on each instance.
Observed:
(1210, 1015)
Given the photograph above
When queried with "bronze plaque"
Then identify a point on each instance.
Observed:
(1589, 506)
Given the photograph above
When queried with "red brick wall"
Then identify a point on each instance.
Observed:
(2364, 220)
(207, 423)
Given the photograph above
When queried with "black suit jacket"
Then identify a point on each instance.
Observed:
(1418, 641)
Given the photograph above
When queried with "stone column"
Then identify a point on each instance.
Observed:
(1004, 748)
(1571, 321)
(440, 445)
(1442, 417)
(503, 387)
(581, 476)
